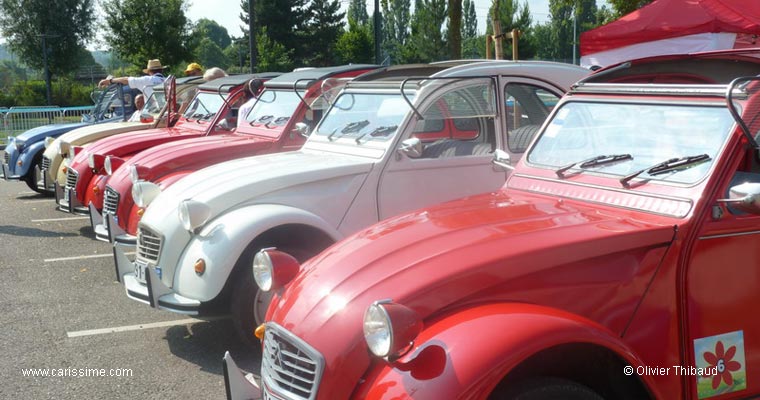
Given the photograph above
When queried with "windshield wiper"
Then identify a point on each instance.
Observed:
(379, 131)
(278, 121)
(351, 127)
(594, 161)
(261, 119)
(673, 164)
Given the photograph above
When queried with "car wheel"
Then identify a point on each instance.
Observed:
(548, 389)
(31, 178)
(242, 308)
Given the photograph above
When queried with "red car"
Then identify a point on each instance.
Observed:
(619, 261)
(88, 171)
(289, 106)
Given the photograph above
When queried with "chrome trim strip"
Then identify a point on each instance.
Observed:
(725, 235)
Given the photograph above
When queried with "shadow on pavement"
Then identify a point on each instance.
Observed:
(204, 344)
(32, 232)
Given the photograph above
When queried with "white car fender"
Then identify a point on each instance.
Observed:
(222, 241)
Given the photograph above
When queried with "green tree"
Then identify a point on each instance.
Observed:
(206, 28)
(65, 24)
(427, 41)
(236, 56)
(324, 27)
(622, 7)
(395, 27)
(209, 54)
(273, 56)
(355, 45)
(357, 12)
(513, 15)
(139, 30)
(470, 31)
(554, 40)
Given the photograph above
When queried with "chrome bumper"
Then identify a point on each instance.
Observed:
(153, 292)
(6, 171)
(72, 205)
(239, 386)
(43, 183)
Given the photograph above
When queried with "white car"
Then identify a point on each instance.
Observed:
(392, 141)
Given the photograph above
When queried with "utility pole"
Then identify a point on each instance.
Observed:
(251, 36)
(376, 16)
(575, 22)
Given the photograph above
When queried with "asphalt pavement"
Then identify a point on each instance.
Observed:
(63, 312)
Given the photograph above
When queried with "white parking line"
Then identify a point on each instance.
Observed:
(83, 257)
(25, 193)
(38, 201)
(59, 219)
(128, 328)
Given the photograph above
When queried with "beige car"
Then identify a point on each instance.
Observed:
(58, 150)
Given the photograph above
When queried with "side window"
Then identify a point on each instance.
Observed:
(460, 122)
(527, 106)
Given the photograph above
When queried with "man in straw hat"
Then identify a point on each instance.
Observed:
(142, 83)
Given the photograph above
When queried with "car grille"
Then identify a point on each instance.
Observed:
(110, 201)
(71, 178)
(148, 245)
(45, 163)
(290, 367)
(7, 158)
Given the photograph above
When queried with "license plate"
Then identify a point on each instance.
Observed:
(140, 271)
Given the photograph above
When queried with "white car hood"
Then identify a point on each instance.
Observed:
(318, 182)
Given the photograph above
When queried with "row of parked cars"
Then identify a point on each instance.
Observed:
(612, 223)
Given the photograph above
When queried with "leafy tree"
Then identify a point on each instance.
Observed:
(139, 30)
(357, 12)
(206, 28)
(65, 24)
(324, 27)
(395, 27)
(209, 54)
(427, 42)
(273, 56)
(285, 21)
(556, 37)
(513, 15)
(622, 7)
(470, 31)
(236, 56)
(355, 45)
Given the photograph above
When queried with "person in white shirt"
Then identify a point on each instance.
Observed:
(139, 104)
(142, 83)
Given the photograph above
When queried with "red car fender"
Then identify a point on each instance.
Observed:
(464, 355)
(99, 182)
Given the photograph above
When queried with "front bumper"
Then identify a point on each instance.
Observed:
(7, 175)
(239, 385)
(153, 292)
(67, 200)
(43, 182)
(108, 230)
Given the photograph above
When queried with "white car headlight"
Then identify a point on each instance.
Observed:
(20, 144)
(390, 329)
(193, 214)
(143, 193)
(263, 271)
(48, 141)
(63, 148)
(377, 330)
(107, 165)
(91, 160)
(133, 175)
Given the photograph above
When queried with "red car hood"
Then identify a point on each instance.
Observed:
(192, 154)
(123, 145)
(499, 247)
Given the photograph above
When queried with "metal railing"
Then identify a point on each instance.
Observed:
(16, 120)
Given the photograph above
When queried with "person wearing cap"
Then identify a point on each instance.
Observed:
(142, 83)
(194, 69)
(213, 73)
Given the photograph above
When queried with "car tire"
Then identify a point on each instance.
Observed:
(31, 180)
(548, 389)
(241, 307)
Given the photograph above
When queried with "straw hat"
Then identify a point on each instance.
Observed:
(193, 67)
(154, 65)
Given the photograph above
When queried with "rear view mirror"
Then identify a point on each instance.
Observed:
(745, 197)
(411, 147)
(502, 159)
(302, 129)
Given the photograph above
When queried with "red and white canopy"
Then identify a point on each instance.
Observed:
(673, 27)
